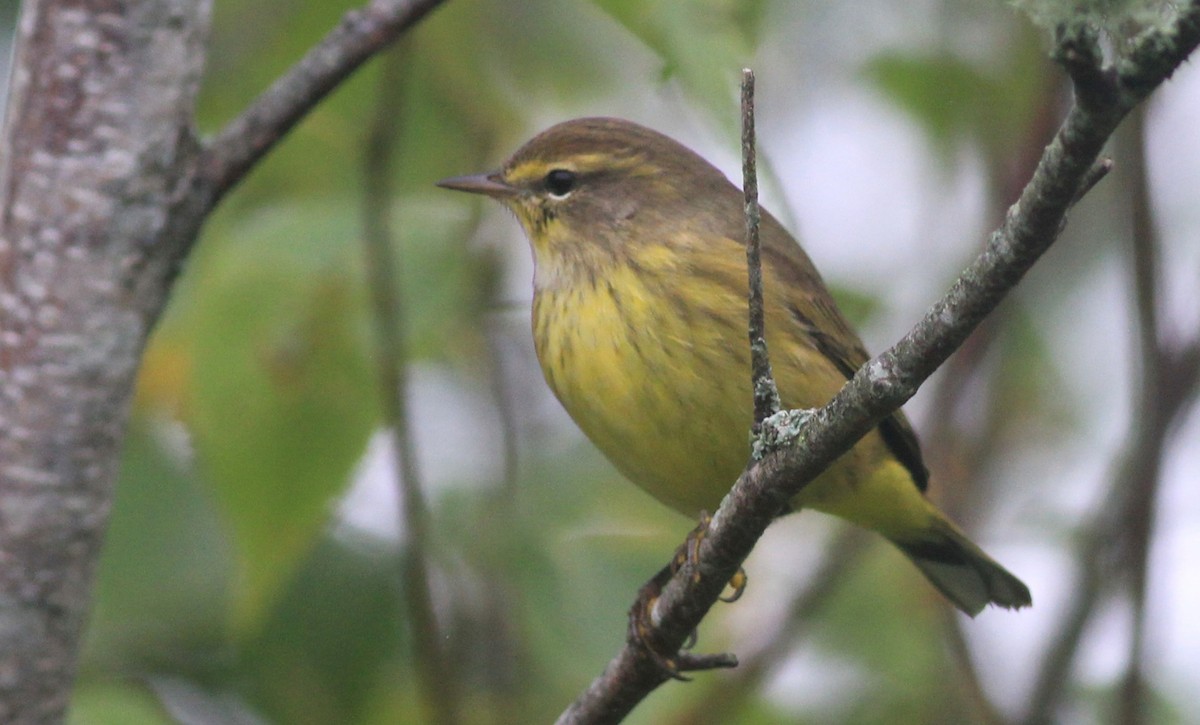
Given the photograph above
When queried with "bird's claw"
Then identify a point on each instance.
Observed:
(641, 615)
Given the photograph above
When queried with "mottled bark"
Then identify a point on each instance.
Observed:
(103, 189)
(96, 136)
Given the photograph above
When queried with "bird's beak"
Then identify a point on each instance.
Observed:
(487, 184)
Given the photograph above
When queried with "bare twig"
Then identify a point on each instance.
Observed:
(981, 708)
(766, 395)
(435, 675)
(236, 148)
(1102, 558)
(1184, 364)
(1139, 514)
(1163, 395)
(1094, 176)
(957, 460)
(947, 394)
(766, 403)
(888, 380)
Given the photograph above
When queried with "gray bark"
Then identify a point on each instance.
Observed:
(97, 138)
(103, 189)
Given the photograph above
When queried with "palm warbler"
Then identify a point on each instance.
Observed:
(639, 321)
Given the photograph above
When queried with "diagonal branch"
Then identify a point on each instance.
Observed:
(887, 381)
(229, 155)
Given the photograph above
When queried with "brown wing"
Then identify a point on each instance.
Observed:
(812, 307)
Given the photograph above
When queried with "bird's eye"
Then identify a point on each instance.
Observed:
(560, 182)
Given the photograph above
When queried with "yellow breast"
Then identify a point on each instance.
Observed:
(651, 359)
(664, 396)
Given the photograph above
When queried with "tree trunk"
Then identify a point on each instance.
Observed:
(97, 148)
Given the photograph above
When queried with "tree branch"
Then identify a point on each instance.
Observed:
(103, 190)
(766, 394)
(229, 155)
(888, 380)
(1151, 412)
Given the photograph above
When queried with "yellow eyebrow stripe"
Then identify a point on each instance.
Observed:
(535, 169)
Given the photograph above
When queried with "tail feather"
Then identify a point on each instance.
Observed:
(962, 572)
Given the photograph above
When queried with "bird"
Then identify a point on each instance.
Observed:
(639, 322)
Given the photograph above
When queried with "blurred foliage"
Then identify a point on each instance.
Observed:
(958, 100)
(229, 566)
(704, 43)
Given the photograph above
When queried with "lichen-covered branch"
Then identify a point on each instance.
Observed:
(1103, 97)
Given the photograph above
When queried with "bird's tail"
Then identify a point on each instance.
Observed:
(960, 570)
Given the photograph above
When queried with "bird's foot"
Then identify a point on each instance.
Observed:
(643, 628)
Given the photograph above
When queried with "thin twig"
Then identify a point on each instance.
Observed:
(227, 157)
(884, 383)
(435, 676)
(957, 460)
(1139, 514)
(952, 386)
(1094, 176)
(1185, 364)
(766, 395)
(970, 686)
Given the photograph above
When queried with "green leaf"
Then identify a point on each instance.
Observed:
(282, 393)
(318, 658)
(958, 100)
(162, 585)
(116, 703)
(280, 355)
(702, 44)
(945, 93)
